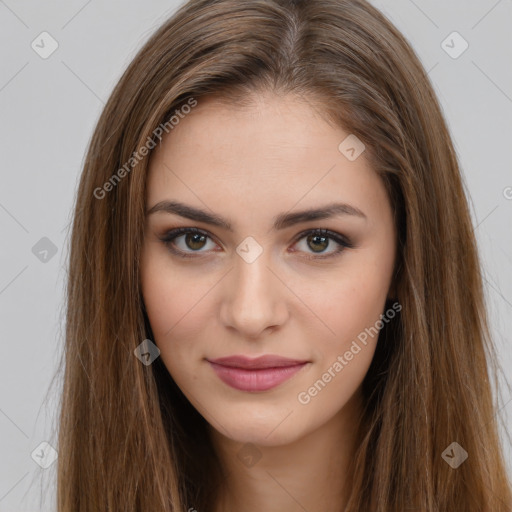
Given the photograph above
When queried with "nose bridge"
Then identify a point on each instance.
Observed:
(253, 276)
(251, 268)
(252, 301)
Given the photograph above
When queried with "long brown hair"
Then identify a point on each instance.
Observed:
(128, 438)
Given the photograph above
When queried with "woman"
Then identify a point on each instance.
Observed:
(275, 298)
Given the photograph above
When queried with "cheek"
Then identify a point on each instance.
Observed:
(166, 291)
(343, 360)
(335, 385)
(352, 308)
(177, 308)
(159, 300)
(350, 303)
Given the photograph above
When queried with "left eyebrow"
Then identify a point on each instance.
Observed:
(281, 221)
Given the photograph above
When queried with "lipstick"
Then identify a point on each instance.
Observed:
(259, 374)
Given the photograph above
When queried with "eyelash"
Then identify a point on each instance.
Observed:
(343, 242)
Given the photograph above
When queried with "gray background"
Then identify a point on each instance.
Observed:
(49, 108)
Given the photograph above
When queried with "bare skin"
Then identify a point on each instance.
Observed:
(299, 298)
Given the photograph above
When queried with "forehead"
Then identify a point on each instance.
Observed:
(286, 127)
(271, 153)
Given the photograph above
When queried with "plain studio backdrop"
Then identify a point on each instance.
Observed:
(51, 95)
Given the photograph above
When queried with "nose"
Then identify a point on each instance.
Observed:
(254, 298)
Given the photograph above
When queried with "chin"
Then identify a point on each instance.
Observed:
(270, 432)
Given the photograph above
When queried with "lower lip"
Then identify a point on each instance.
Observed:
(255, 380)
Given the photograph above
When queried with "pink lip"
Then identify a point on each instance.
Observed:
(257, 363)
(258, 374)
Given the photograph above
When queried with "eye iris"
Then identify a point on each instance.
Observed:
(196, 238)
(324, 242)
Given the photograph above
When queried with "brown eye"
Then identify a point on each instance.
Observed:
(319, 240)
(195, 241)
(318, 243)
(185, 241)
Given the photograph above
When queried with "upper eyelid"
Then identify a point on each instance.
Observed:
(181, 231)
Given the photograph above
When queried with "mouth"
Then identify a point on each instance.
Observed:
(253, 375)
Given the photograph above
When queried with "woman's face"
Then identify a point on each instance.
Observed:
(253, 280)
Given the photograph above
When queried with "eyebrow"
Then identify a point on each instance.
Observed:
(281, 221)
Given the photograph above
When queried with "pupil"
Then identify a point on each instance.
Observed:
(316, 237)
(196, 238)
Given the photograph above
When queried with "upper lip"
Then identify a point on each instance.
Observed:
(267, 361)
